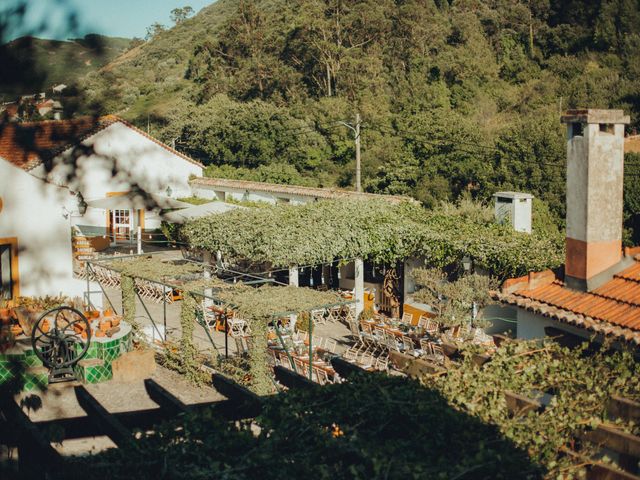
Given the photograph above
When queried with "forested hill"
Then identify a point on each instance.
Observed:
(455, 96)
(31, 65)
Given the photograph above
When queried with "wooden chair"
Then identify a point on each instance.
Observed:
(407, 318)
(392, 342)
(382, 363)
(351, 354)
(318, 317)
(331, 345)
(367, 361)
(425, 346)
(317, 342)
(320, 376)
(300, 367)
(432, 327)
(335, 314)
(240, 346)
(437, 353)
(367, 328)
(380, 333)
(238, 327)
(407, 345)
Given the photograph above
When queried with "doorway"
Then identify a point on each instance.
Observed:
(121, 224)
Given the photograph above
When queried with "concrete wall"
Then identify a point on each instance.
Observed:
(32, 211)
(136, 161)
(531, 326)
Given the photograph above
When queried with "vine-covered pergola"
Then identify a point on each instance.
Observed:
(288, 236)
(258, 300)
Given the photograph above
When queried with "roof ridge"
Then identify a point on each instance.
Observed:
(93, 125)
(567, 316)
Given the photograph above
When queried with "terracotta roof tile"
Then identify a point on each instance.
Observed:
(28, 144)
(612, 309)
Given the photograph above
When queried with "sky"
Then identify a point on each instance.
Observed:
(116, 18)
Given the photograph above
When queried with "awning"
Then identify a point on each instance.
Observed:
(197, 211)
(137, 202)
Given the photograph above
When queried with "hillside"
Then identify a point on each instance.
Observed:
(32, 64)
(457, 97)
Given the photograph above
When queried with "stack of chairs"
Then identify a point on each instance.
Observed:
(105, 276)
(368, 354)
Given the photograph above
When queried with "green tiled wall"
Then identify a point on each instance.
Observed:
(107, 351)
(93, 373)
(33, 375)
(26, 367)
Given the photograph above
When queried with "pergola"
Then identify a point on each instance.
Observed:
(212, 285)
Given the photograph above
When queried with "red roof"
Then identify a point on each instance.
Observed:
(28, 144)
(612, 309)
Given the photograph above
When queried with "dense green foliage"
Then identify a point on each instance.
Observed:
(455, 95)
(582, 386)
(32, 65)
(374, 427)
(322, 232)
(454, 426)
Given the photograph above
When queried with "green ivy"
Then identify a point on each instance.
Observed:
(582, 385)
(321, 232)
(127, 285)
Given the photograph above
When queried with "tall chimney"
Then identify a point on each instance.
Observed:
(595, 157)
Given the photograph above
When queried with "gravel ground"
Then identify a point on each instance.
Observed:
(59, 401)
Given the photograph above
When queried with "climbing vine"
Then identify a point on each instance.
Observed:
(127, 285)
(581, 385)
(321, 232)
(261, 306)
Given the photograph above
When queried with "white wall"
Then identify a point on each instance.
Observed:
(136, 160)
(32, 211)
(222, 193)
(532, 325)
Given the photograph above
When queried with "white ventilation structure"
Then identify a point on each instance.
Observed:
(514, 208)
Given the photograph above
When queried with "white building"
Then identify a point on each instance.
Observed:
(242, 190)
(35, 240)
(53, 172)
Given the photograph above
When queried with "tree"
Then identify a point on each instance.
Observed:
(179, 15)
(153, 30)
(454, 301)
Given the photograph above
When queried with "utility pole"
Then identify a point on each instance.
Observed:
(356, 132)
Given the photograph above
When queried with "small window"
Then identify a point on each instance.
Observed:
(6, 275)
(577, 129)
(607, 128)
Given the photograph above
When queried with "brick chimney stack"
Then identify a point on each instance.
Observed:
(595, 158)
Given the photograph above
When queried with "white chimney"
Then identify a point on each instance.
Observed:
(514, 208)
(595, 158)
